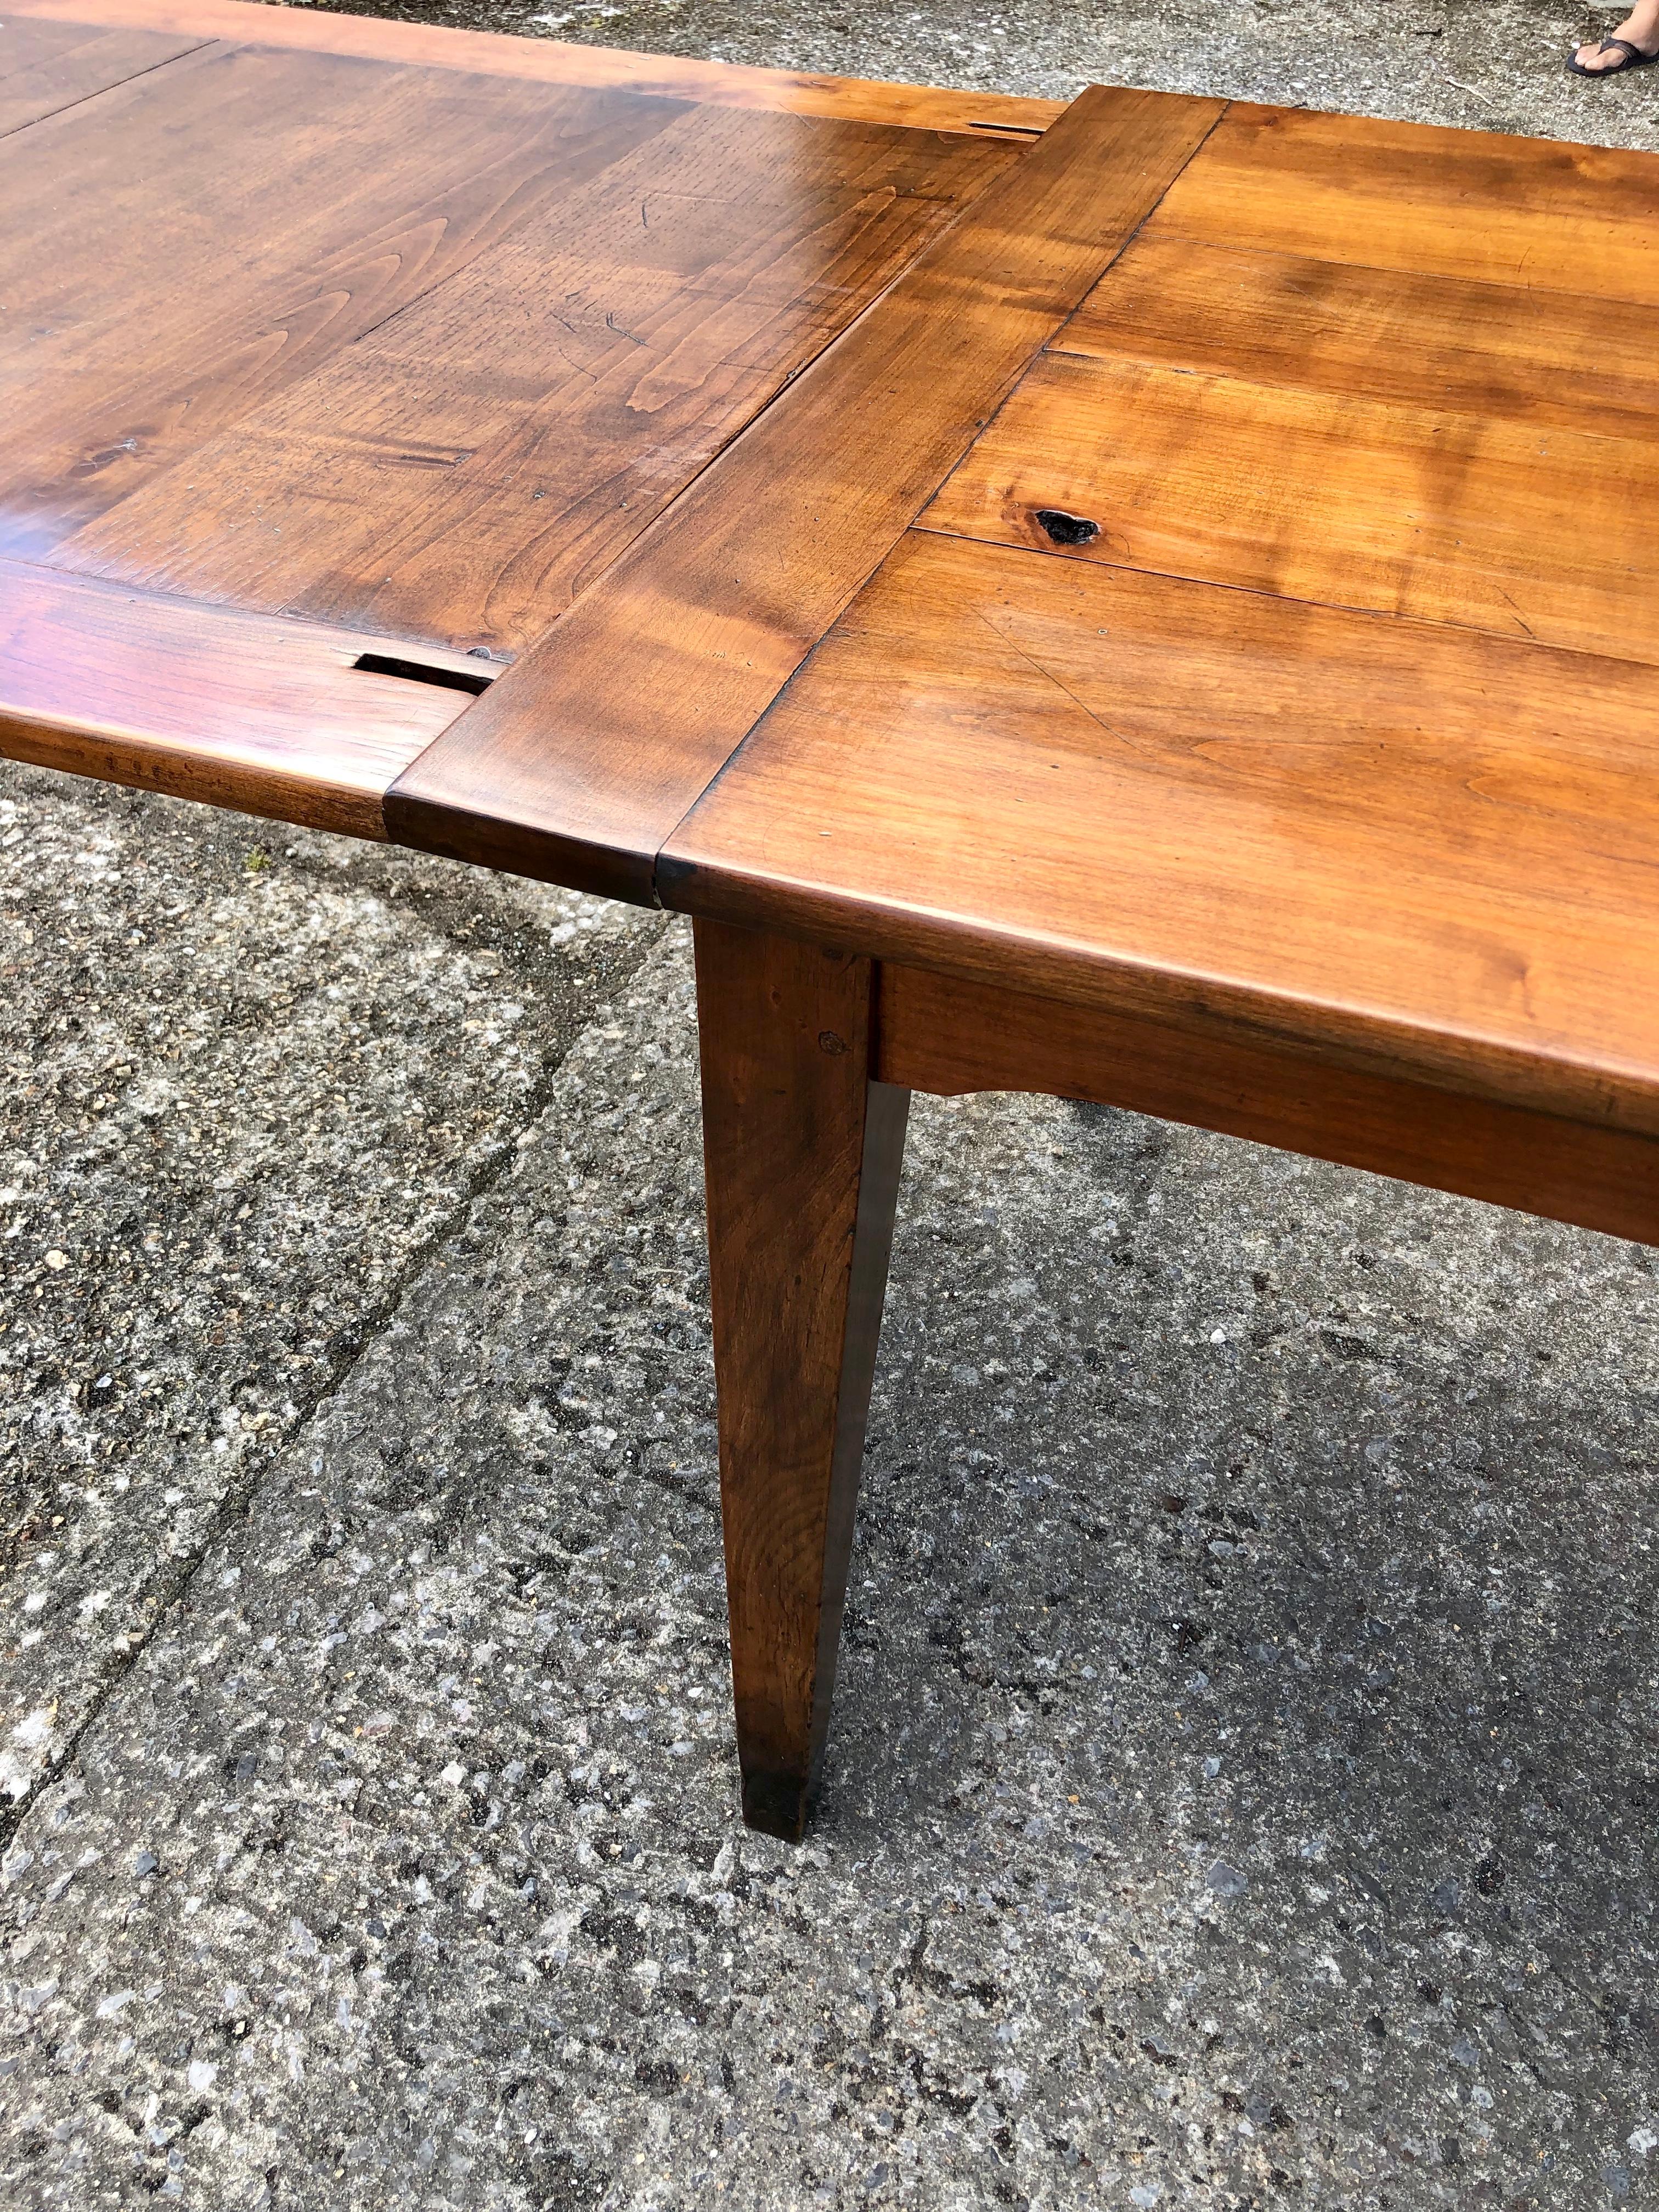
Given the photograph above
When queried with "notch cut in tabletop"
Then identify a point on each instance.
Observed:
(288, 720)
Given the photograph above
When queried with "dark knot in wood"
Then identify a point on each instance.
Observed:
(1066, 529)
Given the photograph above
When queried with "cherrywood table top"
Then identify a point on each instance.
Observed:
(1166, 555)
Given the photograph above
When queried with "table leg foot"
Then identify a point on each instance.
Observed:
(802, 1151)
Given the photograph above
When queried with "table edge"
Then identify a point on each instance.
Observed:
(556, 61)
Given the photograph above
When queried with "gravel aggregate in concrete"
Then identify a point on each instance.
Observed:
(251, 1076)
(1497, 67)
(1243, 1778)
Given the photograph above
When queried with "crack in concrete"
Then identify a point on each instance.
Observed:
(618, 969)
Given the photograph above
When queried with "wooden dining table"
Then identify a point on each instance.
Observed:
(1143, 599)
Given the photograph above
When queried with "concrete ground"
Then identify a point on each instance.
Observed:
(1497, 67)
(1244, 1781)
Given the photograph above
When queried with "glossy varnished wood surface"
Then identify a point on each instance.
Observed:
(207, 235)
(402, 348)
(1445, 516)
(47, 66)
(579, 765)
(1273, 668)
(268, 717)
(1477, 205)
(1231, 699)
(1502, 352)
(553, 61)
(945, 1033)
(637, 285)
(1351, 745)
(1416, 848)
(802, 1154)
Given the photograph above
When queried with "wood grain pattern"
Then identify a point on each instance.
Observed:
(1440, 516)
(561, 772)
(47, 66)
(549, 61)
(1419, 850)
(1499, 351)
(327, 329)
(802, 1155)
(1492, 209)
(462, 469)
(153, 294)
(945, 1033)
(268, 717)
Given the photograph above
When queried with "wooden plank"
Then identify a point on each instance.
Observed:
(1503, 352)
(460, 470)
(803, 1154)
(47, 66)
(945, 1033)
(198, 239)
(554, 61)
(1492, 209)
(266, 716)
(1444, 516)
(580, 766)
(1418, 850)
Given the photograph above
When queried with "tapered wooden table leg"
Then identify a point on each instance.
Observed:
(803, 1153)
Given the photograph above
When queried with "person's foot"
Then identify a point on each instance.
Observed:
(1640, 29)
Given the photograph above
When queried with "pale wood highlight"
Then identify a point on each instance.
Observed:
(554, 61)
(464, 466)
(579, 766)
(186, 248)
(1499, 351)
(1447, 517)
(1471, 204)
(45, 66)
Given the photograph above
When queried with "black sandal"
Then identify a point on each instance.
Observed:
(1635, 59)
